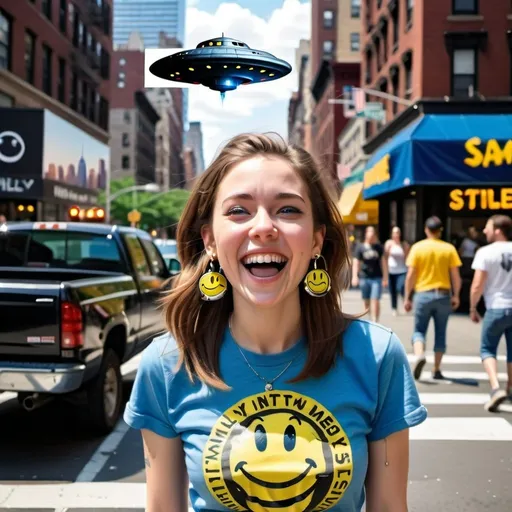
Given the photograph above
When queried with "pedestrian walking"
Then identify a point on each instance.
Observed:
(396, 252)
(433, 275)
(370, 272)
(264, 395)
(493, 279)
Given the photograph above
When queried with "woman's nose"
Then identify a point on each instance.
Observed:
(263, 226)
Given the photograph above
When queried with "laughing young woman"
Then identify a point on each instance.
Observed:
(264, 395)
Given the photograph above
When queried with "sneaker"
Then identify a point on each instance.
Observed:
(418, 368)
(437, 375)
(394, 312)
(498, 396)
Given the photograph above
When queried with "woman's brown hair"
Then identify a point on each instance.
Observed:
(197, 326)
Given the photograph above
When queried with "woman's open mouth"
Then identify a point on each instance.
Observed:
(264, 265)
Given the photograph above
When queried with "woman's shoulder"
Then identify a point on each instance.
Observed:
(161, 356)
(363, 337)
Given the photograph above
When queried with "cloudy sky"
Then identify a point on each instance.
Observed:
(275, 26)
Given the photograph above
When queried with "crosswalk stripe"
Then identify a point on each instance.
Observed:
(461, 375)
(462, 429)
(459, 399)
(453, 359)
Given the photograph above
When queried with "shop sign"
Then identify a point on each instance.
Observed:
(378, 174)
(66, 194)
(487, 155)
(480, 199)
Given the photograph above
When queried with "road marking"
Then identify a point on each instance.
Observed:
(6, 396)
(462, 429)
(103, 453)
(453, 359)
(459, 399)
(453, 375)
(90, 496)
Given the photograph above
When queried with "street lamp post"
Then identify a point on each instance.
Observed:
(149, 187)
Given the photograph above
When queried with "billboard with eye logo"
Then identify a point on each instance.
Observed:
(21, 142)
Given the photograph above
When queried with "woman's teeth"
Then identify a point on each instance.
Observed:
(264, 258)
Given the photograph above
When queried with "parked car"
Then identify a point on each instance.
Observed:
(169, 251)
(77, 300)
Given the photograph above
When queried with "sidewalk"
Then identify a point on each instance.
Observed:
(463, 336)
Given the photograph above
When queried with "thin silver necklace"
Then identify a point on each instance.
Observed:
(269, 384)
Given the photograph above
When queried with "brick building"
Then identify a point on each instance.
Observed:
(166, 168)
(445, 149)
(335, 38)
(55, 58)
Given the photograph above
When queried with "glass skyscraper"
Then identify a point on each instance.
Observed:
(148, 17)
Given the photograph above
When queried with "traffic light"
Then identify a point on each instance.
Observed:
(94, 214)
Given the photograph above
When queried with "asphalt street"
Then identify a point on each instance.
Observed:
(461, 457)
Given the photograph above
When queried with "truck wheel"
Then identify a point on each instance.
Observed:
(105, 394)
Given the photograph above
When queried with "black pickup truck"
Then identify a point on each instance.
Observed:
(77, 300)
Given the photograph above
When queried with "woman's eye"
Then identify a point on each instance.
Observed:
(289, 209)
(236, 210)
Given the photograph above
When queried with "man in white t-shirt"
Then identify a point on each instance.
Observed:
(493, 278)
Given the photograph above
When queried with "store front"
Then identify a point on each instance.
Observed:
(47, 165)
(455, 166)
(357, 213)
(458, 167)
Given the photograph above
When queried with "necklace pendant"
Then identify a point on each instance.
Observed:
(268, 387)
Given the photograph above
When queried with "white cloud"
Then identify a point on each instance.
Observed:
(241, 111)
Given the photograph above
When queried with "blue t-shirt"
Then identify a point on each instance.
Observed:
(300, 446)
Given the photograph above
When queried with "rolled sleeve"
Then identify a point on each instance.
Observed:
(398, 404)
(147, 407)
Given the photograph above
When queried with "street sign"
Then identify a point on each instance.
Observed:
(134, 216)
(374, 111)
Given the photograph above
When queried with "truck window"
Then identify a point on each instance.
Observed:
(157, 263)
(60, 249)
(137, 256)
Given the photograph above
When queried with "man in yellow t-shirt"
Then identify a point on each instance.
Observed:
(433, 274)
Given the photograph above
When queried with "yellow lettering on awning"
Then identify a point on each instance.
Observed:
(492, 154)
(378, 174)
(481, 199)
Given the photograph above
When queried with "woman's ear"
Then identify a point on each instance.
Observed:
(208, 240)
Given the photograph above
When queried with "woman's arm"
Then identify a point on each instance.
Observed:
(166, 473)
(386, 485)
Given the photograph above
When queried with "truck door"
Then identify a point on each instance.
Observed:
(150, 287)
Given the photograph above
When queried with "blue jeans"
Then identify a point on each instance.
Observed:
(438, 306)
(396, 287)
(371, 287)
(497, 322)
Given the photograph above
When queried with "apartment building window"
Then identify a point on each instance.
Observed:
(103, 114)
(410, 13)
(465, 7)
(355, 8)
(395, 16)
(84, 97)
(328, 48)
(105, 64)
(464, 72)
(126, 140)
(73, 100)
(46, 8)
(395, 85)
(125, 162)
(407, 60)
(76, 29)
(63, 16)
(92, 104)
(328, 19)
(30, 56)
(5, 41)
(61, 88)
(355, 40)
(47, 70)
(106, 18)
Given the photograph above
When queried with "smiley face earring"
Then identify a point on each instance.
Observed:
(213, 285)
(317, 281)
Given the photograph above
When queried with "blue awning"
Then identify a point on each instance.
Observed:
(443, 149)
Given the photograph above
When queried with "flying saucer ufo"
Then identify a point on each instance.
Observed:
(221, 64)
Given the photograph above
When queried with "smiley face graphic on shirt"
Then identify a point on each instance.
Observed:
(277, 451)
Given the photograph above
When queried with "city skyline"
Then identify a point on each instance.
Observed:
(70, 160)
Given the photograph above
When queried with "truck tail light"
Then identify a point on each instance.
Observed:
(71, 325)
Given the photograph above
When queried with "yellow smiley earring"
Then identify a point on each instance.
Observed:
(317, 281)
(213, 285)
